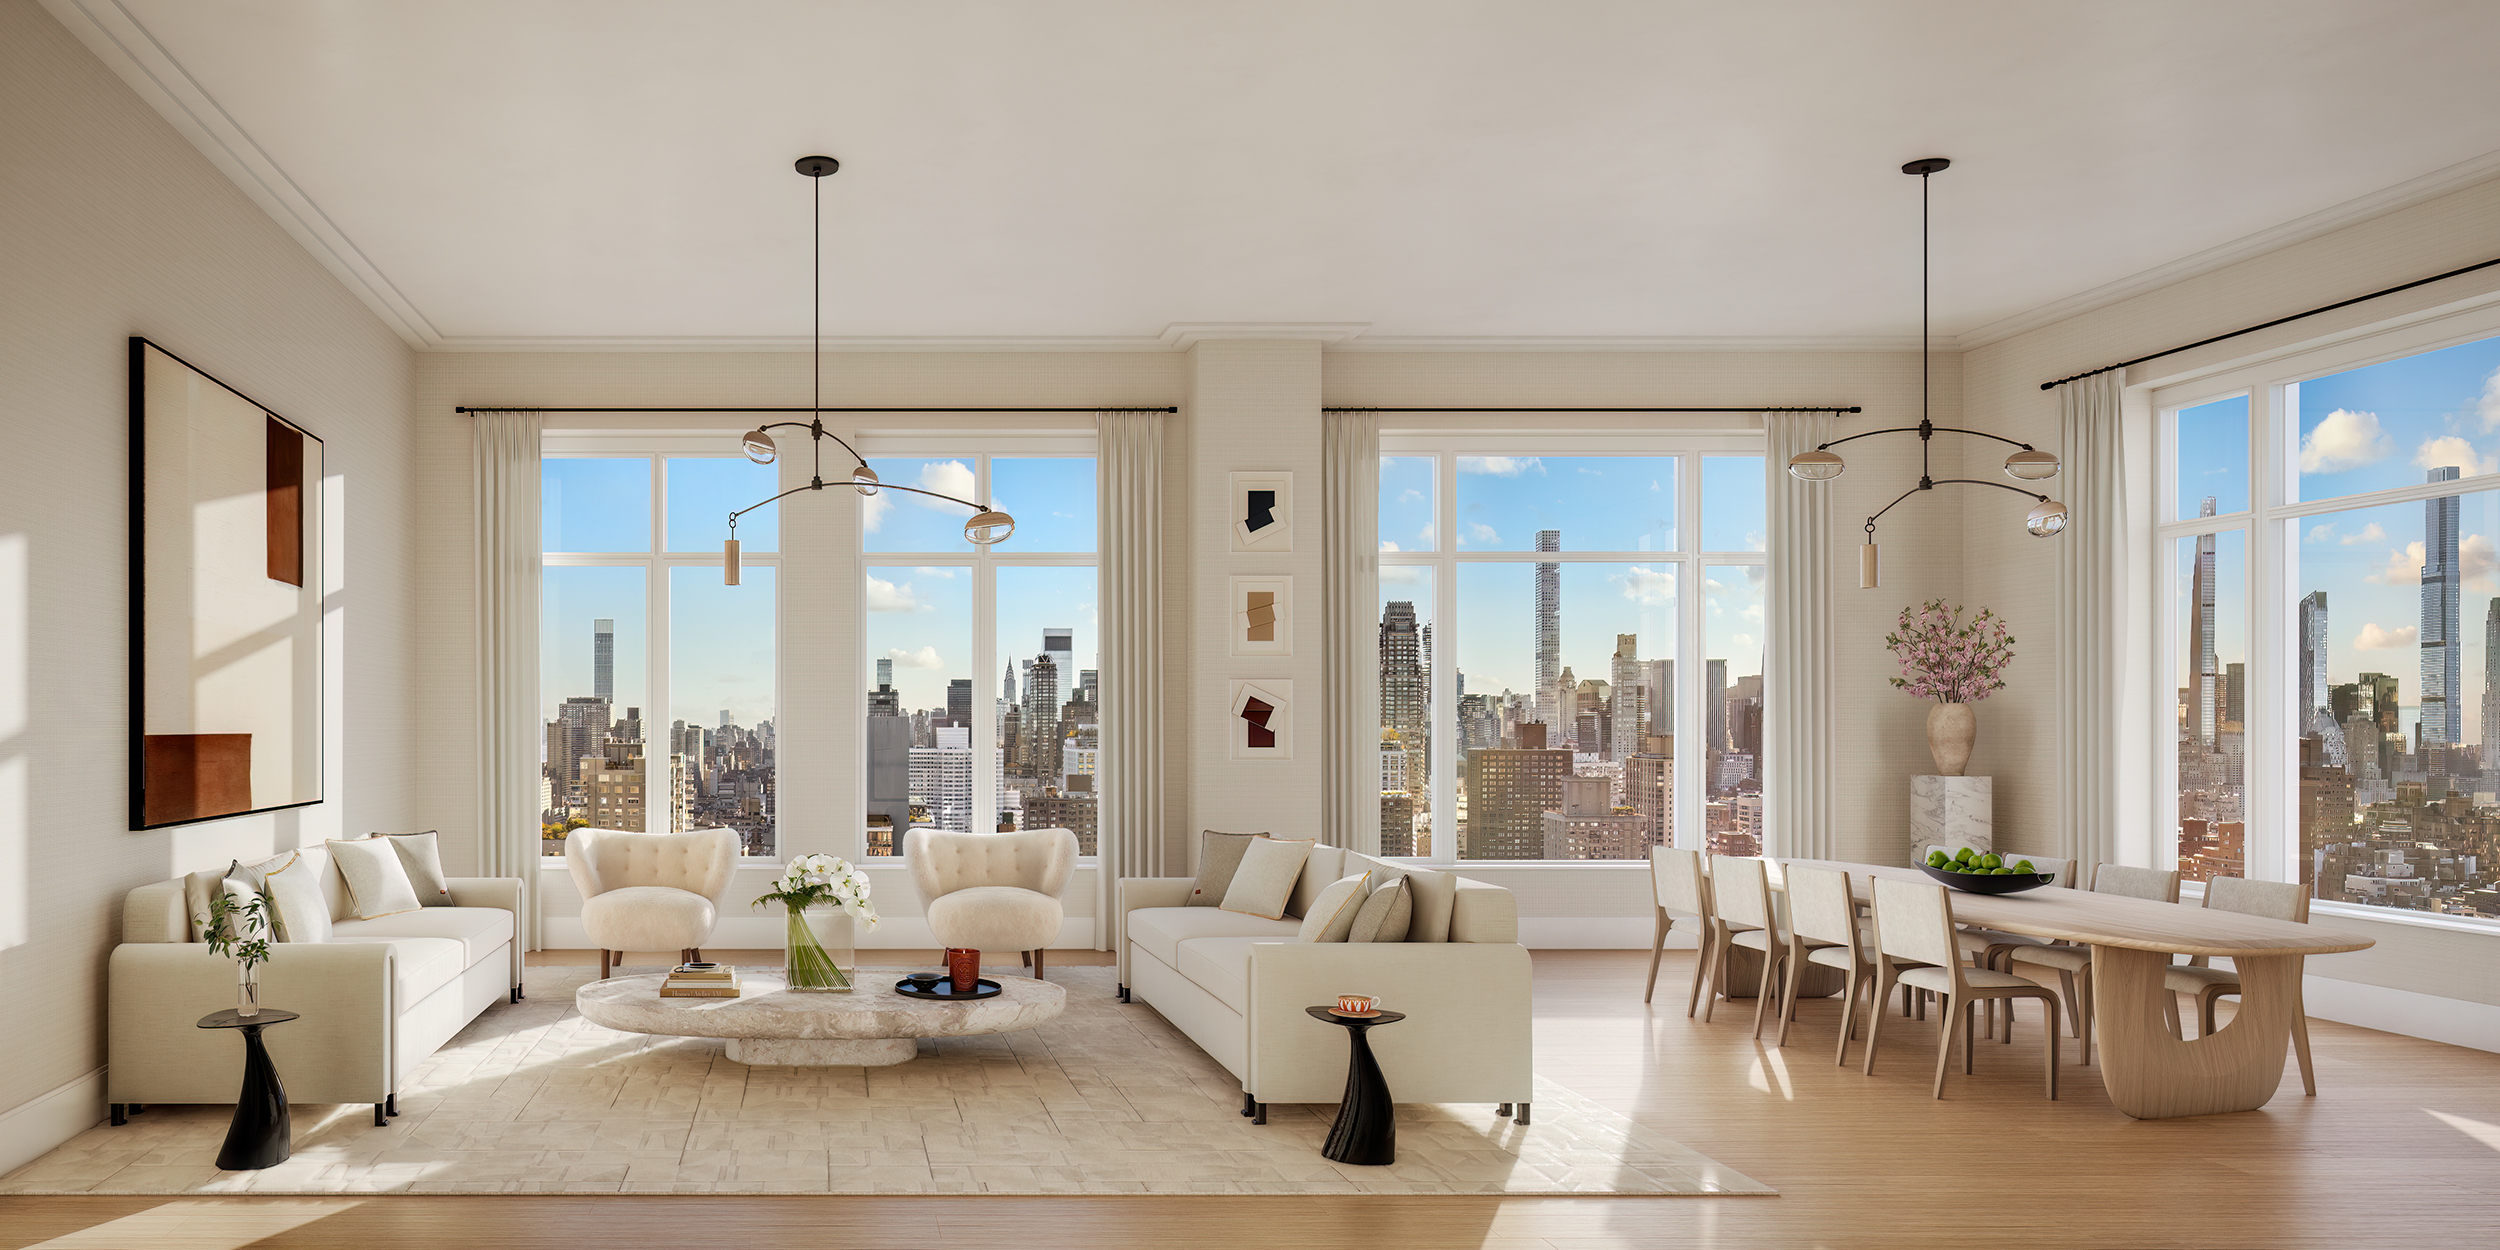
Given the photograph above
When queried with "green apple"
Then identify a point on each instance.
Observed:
(2024, 865)
(1991, 860)
(1962, 856)
(1936, 859)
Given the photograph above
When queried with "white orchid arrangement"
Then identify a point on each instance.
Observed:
(813, 879)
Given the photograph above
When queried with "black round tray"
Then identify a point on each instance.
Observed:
(1988, 882)
(944, 992)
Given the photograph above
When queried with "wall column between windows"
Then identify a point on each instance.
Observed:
(823, 693)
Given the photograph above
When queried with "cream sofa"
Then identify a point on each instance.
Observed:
(376, 999)
(1238, 986)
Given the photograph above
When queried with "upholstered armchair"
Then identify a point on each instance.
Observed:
(650, 891)
(992, 891)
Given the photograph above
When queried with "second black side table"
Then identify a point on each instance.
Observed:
(1366, 1131)
(262, 1133)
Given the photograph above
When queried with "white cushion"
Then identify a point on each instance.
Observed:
(1159, 931)
(699, 861)
(419, 966)
(422, 855)
(995, 918)
(942, 861)
(295, 893)
(648, 918)
(1331, 915)
(1436, 896)
(197, 890)
(377, 882)
(1263, 885)
(1221, 966)
(481, 931)
(1386, 913)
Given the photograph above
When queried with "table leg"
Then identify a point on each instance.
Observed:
(2153, 1075)
(261, 1134)
(1366, 1131)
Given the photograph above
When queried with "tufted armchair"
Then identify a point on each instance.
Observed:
(992, 891)
(650, 891)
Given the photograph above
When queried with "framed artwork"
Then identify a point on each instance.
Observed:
(1262, 508)
(1262, 615)
(225, 600)
(1262, 720)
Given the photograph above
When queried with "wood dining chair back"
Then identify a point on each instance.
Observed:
(1914, 922)
(2159, 885)
(1679, 888)
(2274, 900)
(1740, 891)
(1823, 930)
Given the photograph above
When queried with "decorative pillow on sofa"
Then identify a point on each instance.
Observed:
(1264, 882)
(376, 883)
(198, 889)
(1219, 856)
(1385, 915)
(294, 892)
(1332, 914)
(421, 854)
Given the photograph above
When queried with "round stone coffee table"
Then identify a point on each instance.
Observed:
(767, 1025)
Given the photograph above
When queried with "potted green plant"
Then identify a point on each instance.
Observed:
(240, 932)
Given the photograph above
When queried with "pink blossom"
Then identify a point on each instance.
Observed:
(1948, 659)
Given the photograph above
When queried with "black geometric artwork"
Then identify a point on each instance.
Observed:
(1262, 510)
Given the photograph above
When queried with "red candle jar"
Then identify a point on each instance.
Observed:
(963, 969)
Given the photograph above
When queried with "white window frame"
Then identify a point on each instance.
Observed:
(657, 563)
(2271, 799)
(1691, 604)
(984, 562)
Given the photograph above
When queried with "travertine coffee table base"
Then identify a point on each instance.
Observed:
(775, 1052)
(769, 1026)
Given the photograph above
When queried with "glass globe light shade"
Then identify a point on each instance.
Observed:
(986, 528)
(2032, 465)
(864, 480)
(2047, 520)
(759, 447)
(1817, 465)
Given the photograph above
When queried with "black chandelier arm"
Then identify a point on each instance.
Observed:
(819, 484)
(1879, 515)
(1978, 481)
(977, 507)
(1912, 429)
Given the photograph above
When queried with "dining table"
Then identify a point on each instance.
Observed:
(2150, 1072)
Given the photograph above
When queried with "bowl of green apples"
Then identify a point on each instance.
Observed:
(1975, 872)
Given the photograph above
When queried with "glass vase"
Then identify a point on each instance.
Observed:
(246, 989)
(819, 952)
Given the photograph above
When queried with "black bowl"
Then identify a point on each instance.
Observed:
(1989, 882)
(924, 980)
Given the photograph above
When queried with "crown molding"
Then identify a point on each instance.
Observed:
(1663, 343)
(116, 37)
(2403, 195)
(788, 343)
(1183, 335)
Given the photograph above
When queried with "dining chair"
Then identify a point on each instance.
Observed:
(1986, 947)
(2074, 963)
(1914, 922)
(1823, 930)
(1679, 887)
(1741, 890)
(2275, 900)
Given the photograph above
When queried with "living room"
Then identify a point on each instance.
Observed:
(1281, 338)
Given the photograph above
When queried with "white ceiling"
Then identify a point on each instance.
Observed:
(1089, 172)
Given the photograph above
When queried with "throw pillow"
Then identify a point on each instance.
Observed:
(256, 876)
(377, 885)
(1219, 856)
(1435, 894)
(197, 891)
(1263, 883)
(294, 893)
(1332, 914)
(1385, 915)
(421, 854)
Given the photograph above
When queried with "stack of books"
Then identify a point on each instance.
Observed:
(701, 981)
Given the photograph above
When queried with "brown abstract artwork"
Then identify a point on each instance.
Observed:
(1263, 719)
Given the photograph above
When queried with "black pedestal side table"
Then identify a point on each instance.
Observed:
(262, 1135)
(1366, 1131)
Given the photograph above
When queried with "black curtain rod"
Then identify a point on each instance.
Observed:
(889, 408)
(2173, 351)
(1518, 409)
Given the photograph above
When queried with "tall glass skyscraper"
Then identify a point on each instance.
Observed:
(603, 658)
(1552, 702)
(2440, 658)
(2203, 716)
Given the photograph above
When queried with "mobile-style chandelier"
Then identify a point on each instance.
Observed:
(987, 526)
(2028, 464)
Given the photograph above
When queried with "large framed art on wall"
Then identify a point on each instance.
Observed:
(225, 600)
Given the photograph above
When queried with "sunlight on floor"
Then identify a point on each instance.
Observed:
(2481, 1131)
(202, 1225)
(1770, 1066)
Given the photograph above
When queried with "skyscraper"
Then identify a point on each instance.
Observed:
(1630, 699)
(959, 702)
(2203, 716)
(2313, 653)
(1714, 688)
(1038, 723)
(1059, 643)
(2441, 658)
(603, 658)
(2491, 686)
(1550, 699)
(1405, 690)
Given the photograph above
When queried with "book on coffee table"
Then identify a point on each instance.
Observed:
(715, 981)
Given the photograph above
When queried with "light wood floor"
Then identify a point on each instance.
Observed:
(2400, 1148)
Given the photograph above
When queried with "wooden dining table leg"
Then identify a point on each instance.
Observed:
(2151, 1074)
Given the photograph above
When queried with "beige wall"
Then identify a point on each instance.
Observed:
(111, 224)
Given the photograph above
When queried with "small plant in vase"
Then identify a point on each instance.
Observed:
(810, 881)
(240, 932)
(1955, 662)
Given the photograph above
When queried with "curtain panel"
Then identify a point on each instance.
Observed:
(1350, 631)
(2091, 567)
(1129, 496)
(1797, 669)
(509, 736)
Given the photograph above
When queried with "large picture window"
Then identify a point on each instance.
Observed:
(1537, 603)
(659, 686)
(2332, 629)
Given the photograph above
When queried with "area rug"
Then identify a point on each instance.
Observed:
(1106, 1099)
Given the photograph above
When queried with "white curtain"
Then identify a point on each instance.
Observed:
(1797, 666)
(1350, 631)
(2091, 567)
(508, 737)
(1129, 499)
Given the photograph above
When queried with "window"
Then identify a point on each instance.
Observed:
(1535, 609)
(2332, 629)
(658, 685)
(983, 663)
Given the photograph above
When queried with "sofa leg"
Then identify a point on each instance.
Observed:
(1502, 1110)
(695, 956)
(1124, 993)
(1025, 957)
(603, 963)
(1037, 967)
(390, 1104)
(1523, 1114)
(516, 993)
(381, 1118)
(120, 1118)
(1249, 1106)
(1261, 1117)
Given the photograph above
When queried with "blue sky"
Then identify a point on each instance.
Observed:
(2369, 562)
(2382, 425)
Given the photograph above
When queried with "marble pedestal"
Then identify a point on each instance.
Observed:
(1952, 812)
(767, 1025)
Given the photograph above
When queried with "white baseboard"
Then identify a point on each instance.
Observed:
(35, 1126)
(764, 933)
(2413, 1014)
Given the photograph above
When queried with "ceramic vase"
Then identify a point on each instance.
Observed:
(1951, 727)
(820, 955)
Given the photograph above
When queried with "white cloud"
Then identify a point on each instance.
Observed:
(2322, 533)
(1424, 535)
(2345, 440)
(885, 596)
(945, 574)
(1753, 613)
(872, 510)
(926, 657)
(1386, 545)
(2478, 563)
(2489, 406)
(946, 477)
(1646, 585)
(2403, 568)
(1744, 643)
(1482, 533)
(1410, 495)
(1500, 466)
(2372, 638)
(1402, 574)
(2371, 533)
(2449, 449)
